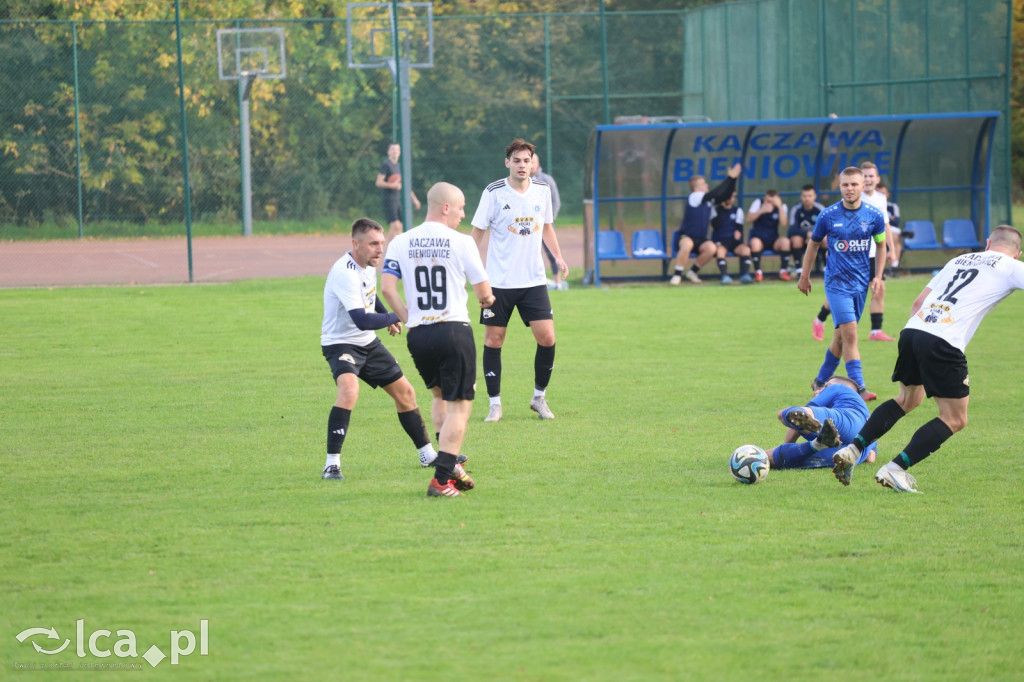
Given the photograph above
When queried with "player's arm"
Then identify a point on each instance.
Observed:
(783, 213)
(919, 301)
(415, 202)
(754, 212)
(725, 189)
(881, 251)
(389, 289)
(372, 321)
(483, 293)
(382, 182)
(551, 241)
(804, 285)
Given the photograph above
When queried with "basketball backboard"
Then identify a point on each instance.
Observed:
(243, 52)
(371, 43)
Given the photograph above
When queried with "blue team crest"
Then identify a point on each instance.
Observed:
(536, 209)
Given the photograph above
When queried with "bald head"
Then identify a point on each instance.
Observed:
(1006, 239)
(446, 204)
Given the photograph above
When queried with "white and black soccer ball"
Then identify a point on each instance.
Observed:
(749, 464)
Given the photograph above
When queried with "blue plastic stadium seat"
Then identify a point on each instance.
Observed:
(959, 233)
(648, 244)
(924, 236)
(611, 245)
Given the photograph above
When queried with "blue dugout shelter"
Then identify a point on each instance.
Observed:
(937, 167)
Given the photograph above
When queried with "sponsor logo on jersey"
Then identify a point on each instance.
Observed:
(524, 226)
(936, 313)
(506, 207)
(852, 245)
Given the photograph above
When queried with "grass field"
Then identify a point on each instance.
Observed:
(161, 451)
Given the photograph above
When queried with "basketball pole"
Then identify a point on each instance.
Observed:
(244, 88)
(186, 188)
(399, 66)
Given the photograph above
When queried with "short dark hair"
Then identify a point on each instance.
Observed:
(364, 225)
(807, 188)
(518, 145)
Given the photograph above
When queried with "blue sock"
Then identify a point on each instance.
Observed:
(799, 456)
(828, 368)
(854, 371)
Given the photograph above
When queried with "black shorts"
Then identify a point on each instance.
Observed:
(926, 360)
(871, 270)
(373, 363)
(445, 356)
(392, 208)
(697, 241)
(730, 243)
(533, 304)
(768, 239)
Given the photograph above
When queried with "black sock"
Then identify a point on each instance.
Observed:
(543, 363)
(876, 320)
(679, 271)
(413, 424)
(444, 465)
(783, 261)
(437, 435)
(823, 314)
(337, 427)
(744, 265)
(723, 266)
(878, 424)
(492, 371)
(924, 442)
(798, 257)
(757, 261)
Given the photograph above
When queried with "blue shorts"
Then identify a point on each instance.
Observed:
(846, 306)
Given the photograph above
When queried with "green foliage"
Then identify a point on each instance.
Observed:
(161, 450)
(527, 67)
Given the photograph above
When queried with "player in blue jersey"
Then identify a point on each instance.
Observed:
(850, 226)
(727, 234)
(829, 420)
(692, 234)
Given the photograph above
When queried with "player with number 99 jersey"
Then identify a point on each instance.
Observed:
(433, 261)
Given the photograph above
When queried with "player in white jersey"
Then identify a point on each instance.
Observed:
(931, 359)
(350, 345)
(435, 262)
(516, 214)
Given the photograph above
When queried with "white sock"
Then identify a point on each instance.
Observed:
(334, 460)
(427, 454)
(496, 400)
(538, 393)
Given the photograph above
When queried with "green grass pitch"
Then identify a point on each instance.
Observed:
(160, 452)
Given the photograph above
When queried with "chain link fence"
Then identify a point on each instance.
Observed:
(90, 131)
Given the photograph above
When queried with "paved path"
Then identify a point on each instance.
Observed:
(165, 261)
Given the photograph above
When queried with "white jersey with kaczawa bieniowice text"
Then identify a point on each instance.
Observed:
(963, 292)
(516, 222)
(435, 262)
(348, 287)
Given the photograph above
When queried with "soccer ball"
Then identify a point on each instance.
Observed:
(749, 464)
